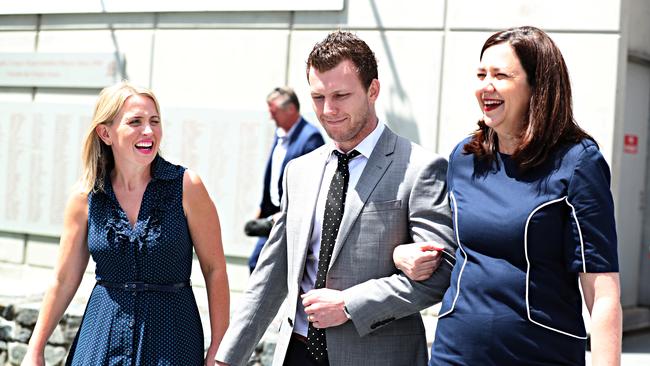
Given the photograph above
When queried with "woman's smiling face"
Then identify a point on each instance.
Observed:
(136, 131)
(503, 92)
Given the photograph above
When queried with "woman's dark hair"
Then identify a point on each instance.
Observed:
(549, 119)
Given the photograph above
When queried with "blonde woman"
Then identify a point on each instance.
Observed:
(139, 217)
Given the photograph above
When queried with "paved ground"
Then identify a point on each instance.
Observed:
(26, 285)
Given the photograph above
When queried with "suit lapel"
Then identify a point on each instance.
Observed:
(379, 161)
(308, 205)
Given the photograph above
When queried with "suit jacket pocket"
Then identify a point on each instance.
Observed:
(382, 205)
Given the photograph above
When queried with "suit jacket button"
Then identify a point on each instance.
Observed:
(290, 322)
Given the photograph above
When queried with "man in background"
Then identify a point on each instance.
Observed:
(294, 137)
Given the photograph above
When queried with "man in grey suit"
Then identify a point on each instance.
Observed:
(345, 207)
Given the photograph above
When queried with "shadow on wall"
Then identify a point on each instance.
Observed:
(403, 124)
(398, 109)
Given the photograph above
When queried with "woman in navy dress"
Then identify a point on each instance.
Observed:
(534, 220)
(139, 217)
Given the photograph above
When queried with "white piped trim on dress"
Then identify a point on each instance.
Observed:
(460, 246)
(584, 266)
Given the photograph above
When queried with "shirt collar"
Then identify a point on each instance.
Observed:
(162, 169)
(281, 134)
(367, 145)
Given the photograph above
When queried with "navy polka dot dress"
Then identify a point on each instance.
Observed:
(123, 327)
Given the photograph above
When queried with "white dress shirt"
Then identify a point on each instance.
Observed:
(279, 153)
(355, 168)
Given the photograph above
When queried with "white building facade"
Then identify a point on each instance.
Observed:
(212, 64)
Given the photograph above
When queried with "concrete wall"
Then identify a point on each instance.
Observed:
(639, 27)
(209, 67)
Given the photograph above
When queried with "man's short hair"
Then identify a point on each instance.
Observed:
(339, 46)
(285, 96)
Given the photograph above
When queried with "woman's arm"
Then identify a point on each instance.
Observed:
(602, 294)
(68, 272)
(417, 261)
(205, 230)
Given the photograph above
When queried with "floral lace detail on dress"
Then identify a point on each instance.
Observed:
(147, 230)
(117, 229)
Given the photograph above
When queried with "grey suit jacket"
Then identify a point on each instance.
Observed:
(401, 197)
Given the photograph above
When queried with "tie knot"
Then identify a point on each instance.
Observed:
(345, 158)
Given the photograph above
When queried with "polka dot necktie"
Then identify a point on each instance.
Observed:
(334, 206)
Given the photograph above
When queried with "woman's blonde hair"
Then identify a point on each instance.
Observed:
(97, 157)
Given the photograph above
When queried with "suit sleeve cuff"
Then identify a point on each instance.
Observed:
(355, 304)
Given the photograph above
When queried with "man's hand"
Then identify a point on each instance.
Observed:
(222, 363)
(324, 307)
(418, 260)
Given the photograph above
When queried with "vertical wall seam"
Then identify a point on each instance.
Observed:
(292, 19)
(445, 31)
(39, 20)
(152, 52)
(23, 260)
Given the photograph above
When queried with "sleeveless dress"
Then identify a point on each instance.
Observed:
(523, 239)
(123, 327)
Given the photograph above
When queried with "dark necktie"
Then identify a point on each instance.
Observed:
(334, 206)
